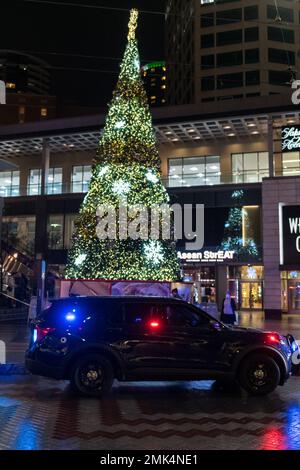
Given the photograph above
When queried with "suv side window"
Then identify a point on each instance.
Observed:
(137, 313)
(178, 315)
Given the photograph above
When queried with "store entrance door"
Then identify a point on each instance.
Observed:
(251, 295)
(294, 295)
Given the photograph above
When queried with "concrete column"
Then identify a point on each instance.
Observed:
(45, 165)
(221, 280)
(271, 147)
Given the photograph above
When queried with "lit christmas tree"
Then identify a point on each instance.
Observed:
(233, 238)
(127, 166)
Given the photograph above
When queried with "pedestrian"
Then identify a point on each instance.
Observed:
(228, 310)
(175, 293)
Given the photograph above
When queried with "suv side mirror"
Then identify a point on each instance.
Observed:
(215, 325)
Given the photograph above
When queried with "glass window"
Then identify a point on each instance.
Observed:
(251, 56)
(69, 229)
(19, 233)
(229, 59)
(81, 176)
(232, 80)
(229, 16)
(285, 14)
(207, 61)
(194, 171)
(54, 184)
(207, 40)
(281, 35)
(280, 77)
(55, 232)
(251, 13)
(249, 167)
(229, 37)
(281, 56)
(182, 316)
(251, 34)
(9, 183)
(252, 77)
(208, 83)
(207, 20)
(34, 182)
(290, 163)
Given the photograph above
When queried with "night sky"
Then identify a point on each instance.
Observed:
(39, 27)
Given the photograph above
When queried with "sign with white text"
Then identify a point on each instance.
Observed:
(206, 256)
(290, 138)
(290, 233)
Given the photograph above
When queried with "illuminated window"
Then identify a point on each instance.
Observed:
(55, 232)
(9, 183)
(164, 69)
(163, 87)
(81, 176)
(250, 167)
(153, 97)
(10, 85)
(54, 183)
(164, 77)
(34, 182)
(44, 112)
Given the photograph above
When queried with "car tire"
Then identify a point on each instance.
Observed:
(259, 374)
(92, 376)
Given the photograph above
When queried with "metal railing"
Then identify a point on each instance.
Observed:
(172, 181)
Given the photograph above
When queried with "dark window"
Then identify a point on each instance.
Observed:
(208, 83)
(229, 37)
(229, 16)
(251, 13)
(279, 78)
(137, 313)
(207, 20)
(229, 59)
(281, 56)
(252, 95)
(252, 78)
(286, 14)
(251, 34)
(232, 80)
(251, 56)
(207, 100)
(207, 62)
(207, 40)
(179, 315)
(281, 35)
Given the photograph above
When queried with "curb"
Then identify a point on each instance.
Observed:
(13, 369)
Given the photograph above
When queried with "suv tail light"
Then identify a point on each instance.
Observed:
(273, 338)
(41, 333)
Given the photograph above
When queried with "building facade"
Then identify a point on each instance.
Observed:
(231, 49)
(154, 76)
(230, 159)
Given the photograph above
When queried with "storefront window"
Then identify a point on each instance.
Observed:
(249, 167)
(69, 229)
(290, 291)
(81, 176)
(291, 163)
(246, 286)
(19, 233)
(194, 171)
(55, 232)
(204, 279)
(9, 183)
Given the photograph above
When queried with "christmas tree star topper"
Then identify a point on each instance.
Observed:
(132, 25)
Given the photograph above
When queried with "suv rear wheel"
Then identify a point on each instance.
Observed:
(259, 374)
(92, 375)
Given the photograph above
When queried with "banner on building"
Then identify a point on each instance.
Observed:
(290, 236)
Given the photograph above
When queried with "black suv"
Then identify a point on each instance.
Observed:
(93, 340)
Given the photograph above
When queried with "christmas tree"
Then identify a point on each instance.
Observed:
(127, 167)
(233, 237)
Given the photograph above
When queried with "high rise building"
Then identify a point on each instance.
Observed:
(154, 77)
(230, 49)
(24, 73)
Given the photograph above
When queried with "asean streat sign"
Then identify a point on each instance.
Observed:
(206, 256)
(290, 235)
(290, 138)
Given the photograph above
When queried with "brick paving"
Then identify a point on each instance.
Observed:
(39, 413)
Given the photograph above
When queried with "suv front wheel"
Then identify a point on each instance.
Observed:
(92, 375)
(259, 374)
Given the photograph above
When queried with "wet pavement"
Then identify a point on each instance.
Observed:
(39, 413)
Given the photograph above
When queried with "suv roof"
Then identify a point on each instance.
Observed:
(117, 297)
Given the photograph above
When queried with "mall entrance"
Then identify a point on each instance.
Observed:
(290, 292)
